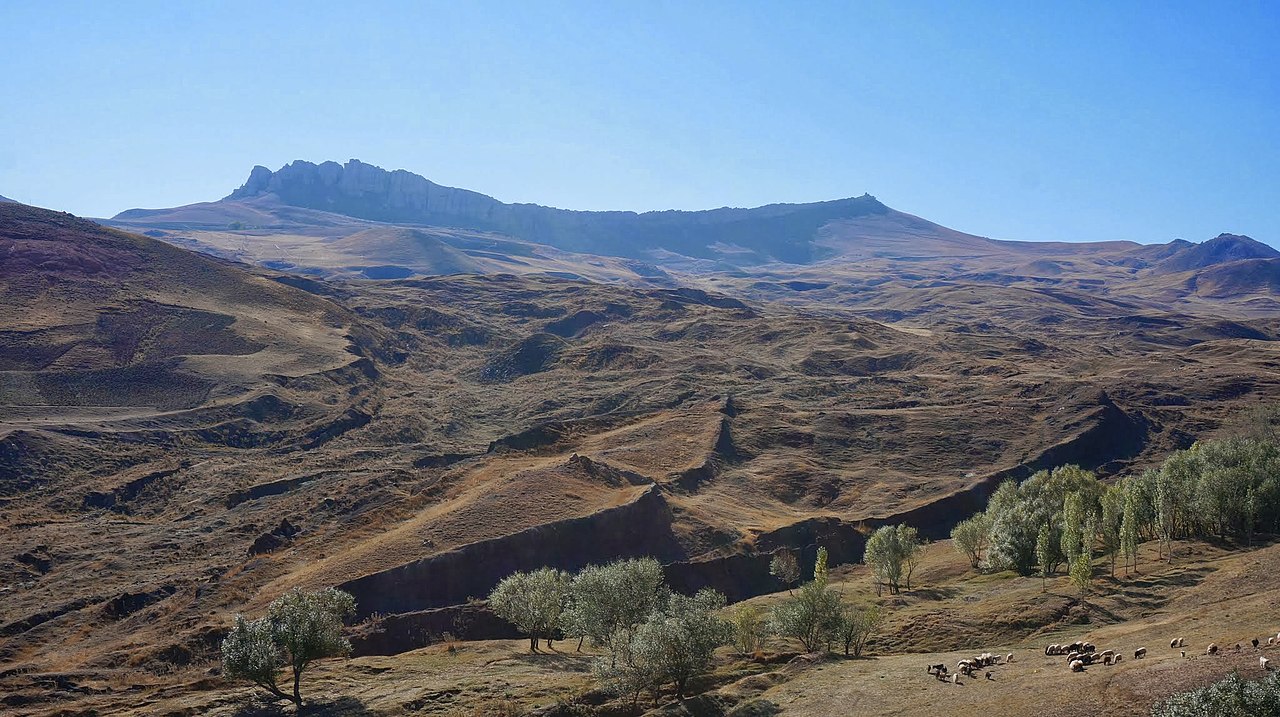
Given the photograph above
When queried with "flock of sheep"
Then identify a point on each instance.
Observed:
(1080, 654)
(968, 667)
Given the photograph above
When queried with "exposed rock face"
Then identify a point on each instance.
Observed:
(783, 232)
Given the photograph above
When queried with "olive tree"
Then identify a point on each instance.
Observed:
(677, 644)
(607, 603)
(533, 602)
(299, 627)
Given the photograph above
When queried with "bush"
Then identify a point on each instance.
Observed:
(1232, 697)
(748, 629)
(299, 627)
(672, 646)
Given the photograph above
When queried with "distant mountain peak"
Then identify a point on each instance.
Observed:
(1222, 249)
(775, 232)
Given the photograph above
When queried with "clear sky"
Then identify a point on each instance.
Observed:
(1019, 120)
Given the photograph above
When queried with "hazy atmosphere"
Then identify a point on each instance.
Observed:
(1077, 121)
(639, 359)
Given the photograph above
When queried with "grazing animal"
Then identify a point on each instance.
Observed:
(1264, 663)
(1255, 643)
(1109, 653)
(1139, 653)
(1184, 654)
(1213, 649)
(1271, 641)
(1173, 643)
(1182, 642)
(1009, 658)
(1073, 657)
(1116, 659)
(1237, 647)
(1077, 666)
(989, 677)
(955, 679)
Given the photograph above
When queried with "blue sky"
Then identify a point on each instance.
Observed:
(1037, 121)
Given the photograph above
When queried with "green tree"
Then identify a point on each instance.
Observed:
(1110, 522)
(533, 602)
(820, 572)
(299, 627)
(971, 538)
(1082, 562)
(890, 551)
(811, 616)
(1129, 531)
(607, 603)
(1044, 551)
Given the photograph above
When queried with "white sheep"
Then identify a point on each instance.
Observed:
(1009, 658)
(1182, 642)
(1139, 653)
(1212, 649)
(1173, 643)
(1077, 666)
(1264, 663)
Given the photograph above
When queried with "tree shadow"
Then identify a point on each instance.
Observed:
(933, 593)
(319, 707)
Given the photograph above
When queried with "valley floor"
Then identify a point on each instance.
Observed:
(1208, 594)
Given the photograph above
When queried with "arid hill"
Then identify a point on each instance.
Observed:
(183, 439)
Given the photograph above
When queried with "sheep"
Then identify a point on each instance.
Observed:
(955, 678)
(1139, 653)
(1051, 649)
(1108, 653)
(1255, 643)
(1271, 641)
(1115, 659)
(1173, 643)
(1077, 666)
(989, 677)
(1184, 654)
(1237, 647)
(1182, 642)
(1009, 659)
(1088, 647)
(1264, 663)
(1212, 650)
(1073, 657)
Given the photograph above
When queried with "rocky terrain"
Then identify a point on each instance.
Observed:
(184, 438)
